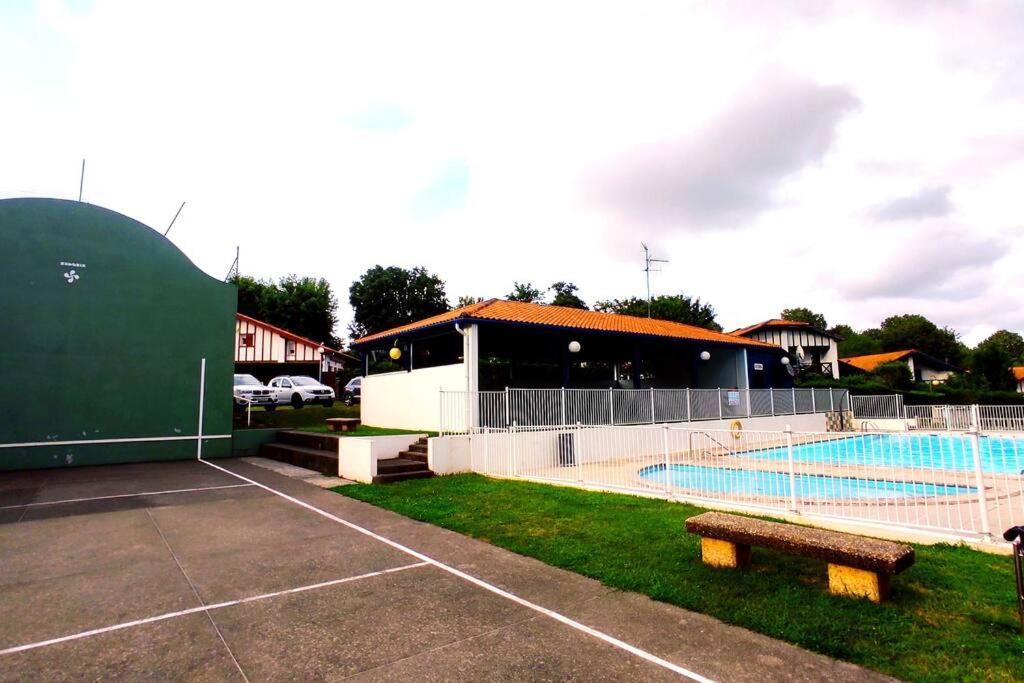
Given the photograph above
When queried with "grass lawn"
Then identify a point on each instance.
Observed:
(952, 615)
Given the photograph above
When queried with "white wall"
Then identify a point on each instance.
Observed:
(358, 455)
(409, 400)
(449, 454)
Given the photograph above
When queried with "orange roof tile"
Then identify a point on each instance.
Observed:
(779, 322)
(560, 316)
(1018, 373)
(871, 361)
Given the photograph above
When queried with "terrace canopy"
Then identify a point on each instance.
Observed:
(525, 345)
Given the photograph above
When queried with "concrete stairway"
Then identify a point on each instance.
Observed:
(410, 464)
(310, 450)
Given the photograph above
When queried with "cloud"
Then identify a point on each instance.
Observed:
(727, 173)
(929, 202)
(929, 264)
(446, 192)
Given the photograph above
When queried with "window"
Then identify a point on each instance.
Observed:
(246, 340)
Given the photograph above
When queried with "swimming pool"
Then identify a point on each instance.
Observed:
(712, 480)
(999, 454)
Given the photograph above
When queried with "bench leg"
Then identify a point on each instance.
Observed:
(857, 583)
(718, 553)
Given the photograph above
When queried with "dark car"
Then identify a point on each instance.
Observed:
(350, 394)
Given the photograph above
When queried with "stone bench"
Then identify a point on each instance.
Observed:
(342, 424)
(857, 566)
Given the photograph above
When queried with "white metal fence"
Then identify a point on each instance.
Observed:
(962, 484)
(877, 407)
(941, 417)
(463, 411)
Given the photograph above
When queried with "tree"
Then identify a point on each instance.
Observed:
(388, 297)
(303, 305)
(853, 343)
(913, 331)
(993, 357)
(525, 292)
(468, 301)
(895, 375)
(565, 295)
(675, 307)
(805, 315)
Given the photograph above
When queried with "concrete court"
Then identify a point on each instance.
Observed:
(172, 542)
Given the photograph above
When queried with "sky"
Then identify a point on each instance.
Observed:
(861, 159)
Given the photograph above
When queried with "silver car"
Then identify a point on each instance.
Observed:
(250, 391)
(299, 390)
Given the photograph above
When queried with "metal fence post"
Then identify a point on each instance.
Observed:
(652, 405)
(814, 404)
(487, 450)
(979, 475)
(771, 400)
(563, 406)
(747, 390)
(508, 412)
(719, 403)
(831, 400)
(792, 470)
(688, 404)
(513, 449)
(611, 406)
(668, 463)
(794, 399)
(578, 452)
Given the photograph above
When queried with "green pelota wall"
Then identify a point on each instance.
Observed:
(103, 323)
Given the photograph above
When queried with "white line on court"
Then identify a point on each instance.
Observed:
(87, 442)
(426, 559)
(205, 608)
(124, 495)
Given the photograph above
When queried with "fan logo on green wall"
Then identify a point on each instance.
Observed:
(72, 275)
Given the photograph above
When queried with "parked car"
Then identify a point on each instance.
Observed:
(250, 391)
(299, 390)
(350, 394)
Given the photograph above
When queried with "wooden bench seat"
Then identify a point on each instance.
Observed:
(857, 565)
(342, 424)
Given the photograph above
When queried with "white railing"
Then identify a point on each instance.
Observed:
(877, 407)
(958, 484)
(463, 411)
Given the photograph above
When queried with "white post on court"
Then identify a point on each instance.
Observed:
(668, 466)
(202, 399)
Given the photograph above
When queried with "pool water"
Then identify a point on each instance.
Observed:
(932, 451)
(777, 484)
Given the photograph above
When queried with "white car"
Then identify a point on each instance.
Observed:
(250, 391)
(299, 390)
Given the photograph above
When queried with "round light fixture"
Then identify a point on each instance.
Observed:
(574, 347)
(785, 360)
(705, 355)
(395, 353)
(935, 382)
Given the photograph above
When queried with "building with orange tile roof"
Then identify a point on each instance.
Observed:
(494, 344)
(1018, 377)
(923, 367)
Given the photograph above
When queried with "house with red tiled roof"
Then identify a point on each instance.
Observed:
(266, 350)
(1018, 377)
(923, 367)
(809, 349)
(496, 344)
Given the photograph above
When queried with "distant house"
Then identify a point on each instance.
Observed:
(816, 350)
(923, 368)
(265, 350)
(1018, 377)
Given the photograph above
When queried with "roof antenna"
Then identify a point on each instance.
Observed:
(174, 219)
(648, 260)
(233, 270)
(81, 181)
